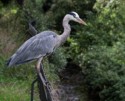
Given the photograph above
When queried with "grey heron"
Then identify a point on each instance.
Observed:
(42, 44)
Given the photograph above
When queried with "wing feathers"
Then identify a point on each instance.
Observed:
(34, 48)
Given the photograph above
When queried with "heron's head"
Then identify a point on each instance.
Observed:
(75, 17)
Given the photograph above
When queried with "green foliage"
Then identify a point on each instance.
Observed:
(105, 71)
(102, 56)
(14, 91)
(58, 58)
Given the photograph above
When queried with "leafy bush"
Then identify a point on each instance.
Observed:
(105, 72)
(58, 58)
(102, 56)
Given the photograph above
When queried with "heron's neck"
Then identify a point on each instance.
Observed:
(67, 30)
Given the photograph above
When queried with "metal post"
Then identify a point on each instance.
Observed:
(32, 88)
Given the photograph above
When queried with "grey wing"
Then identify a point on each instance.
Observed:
(34, 48)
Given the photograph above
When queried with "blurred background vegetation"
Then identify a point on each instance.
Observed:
(98, 48)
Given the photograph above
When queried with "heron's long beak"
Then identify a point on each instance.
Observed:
(81, 21)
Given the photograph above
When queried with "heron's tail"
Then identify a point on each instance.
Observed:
(8, 62)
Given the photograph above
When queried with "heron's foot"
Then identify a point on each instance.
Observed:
(48, 85)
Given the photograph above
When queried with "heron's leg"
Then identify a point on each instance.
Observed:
(42, 71)
(43, 74)
(39, 71)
